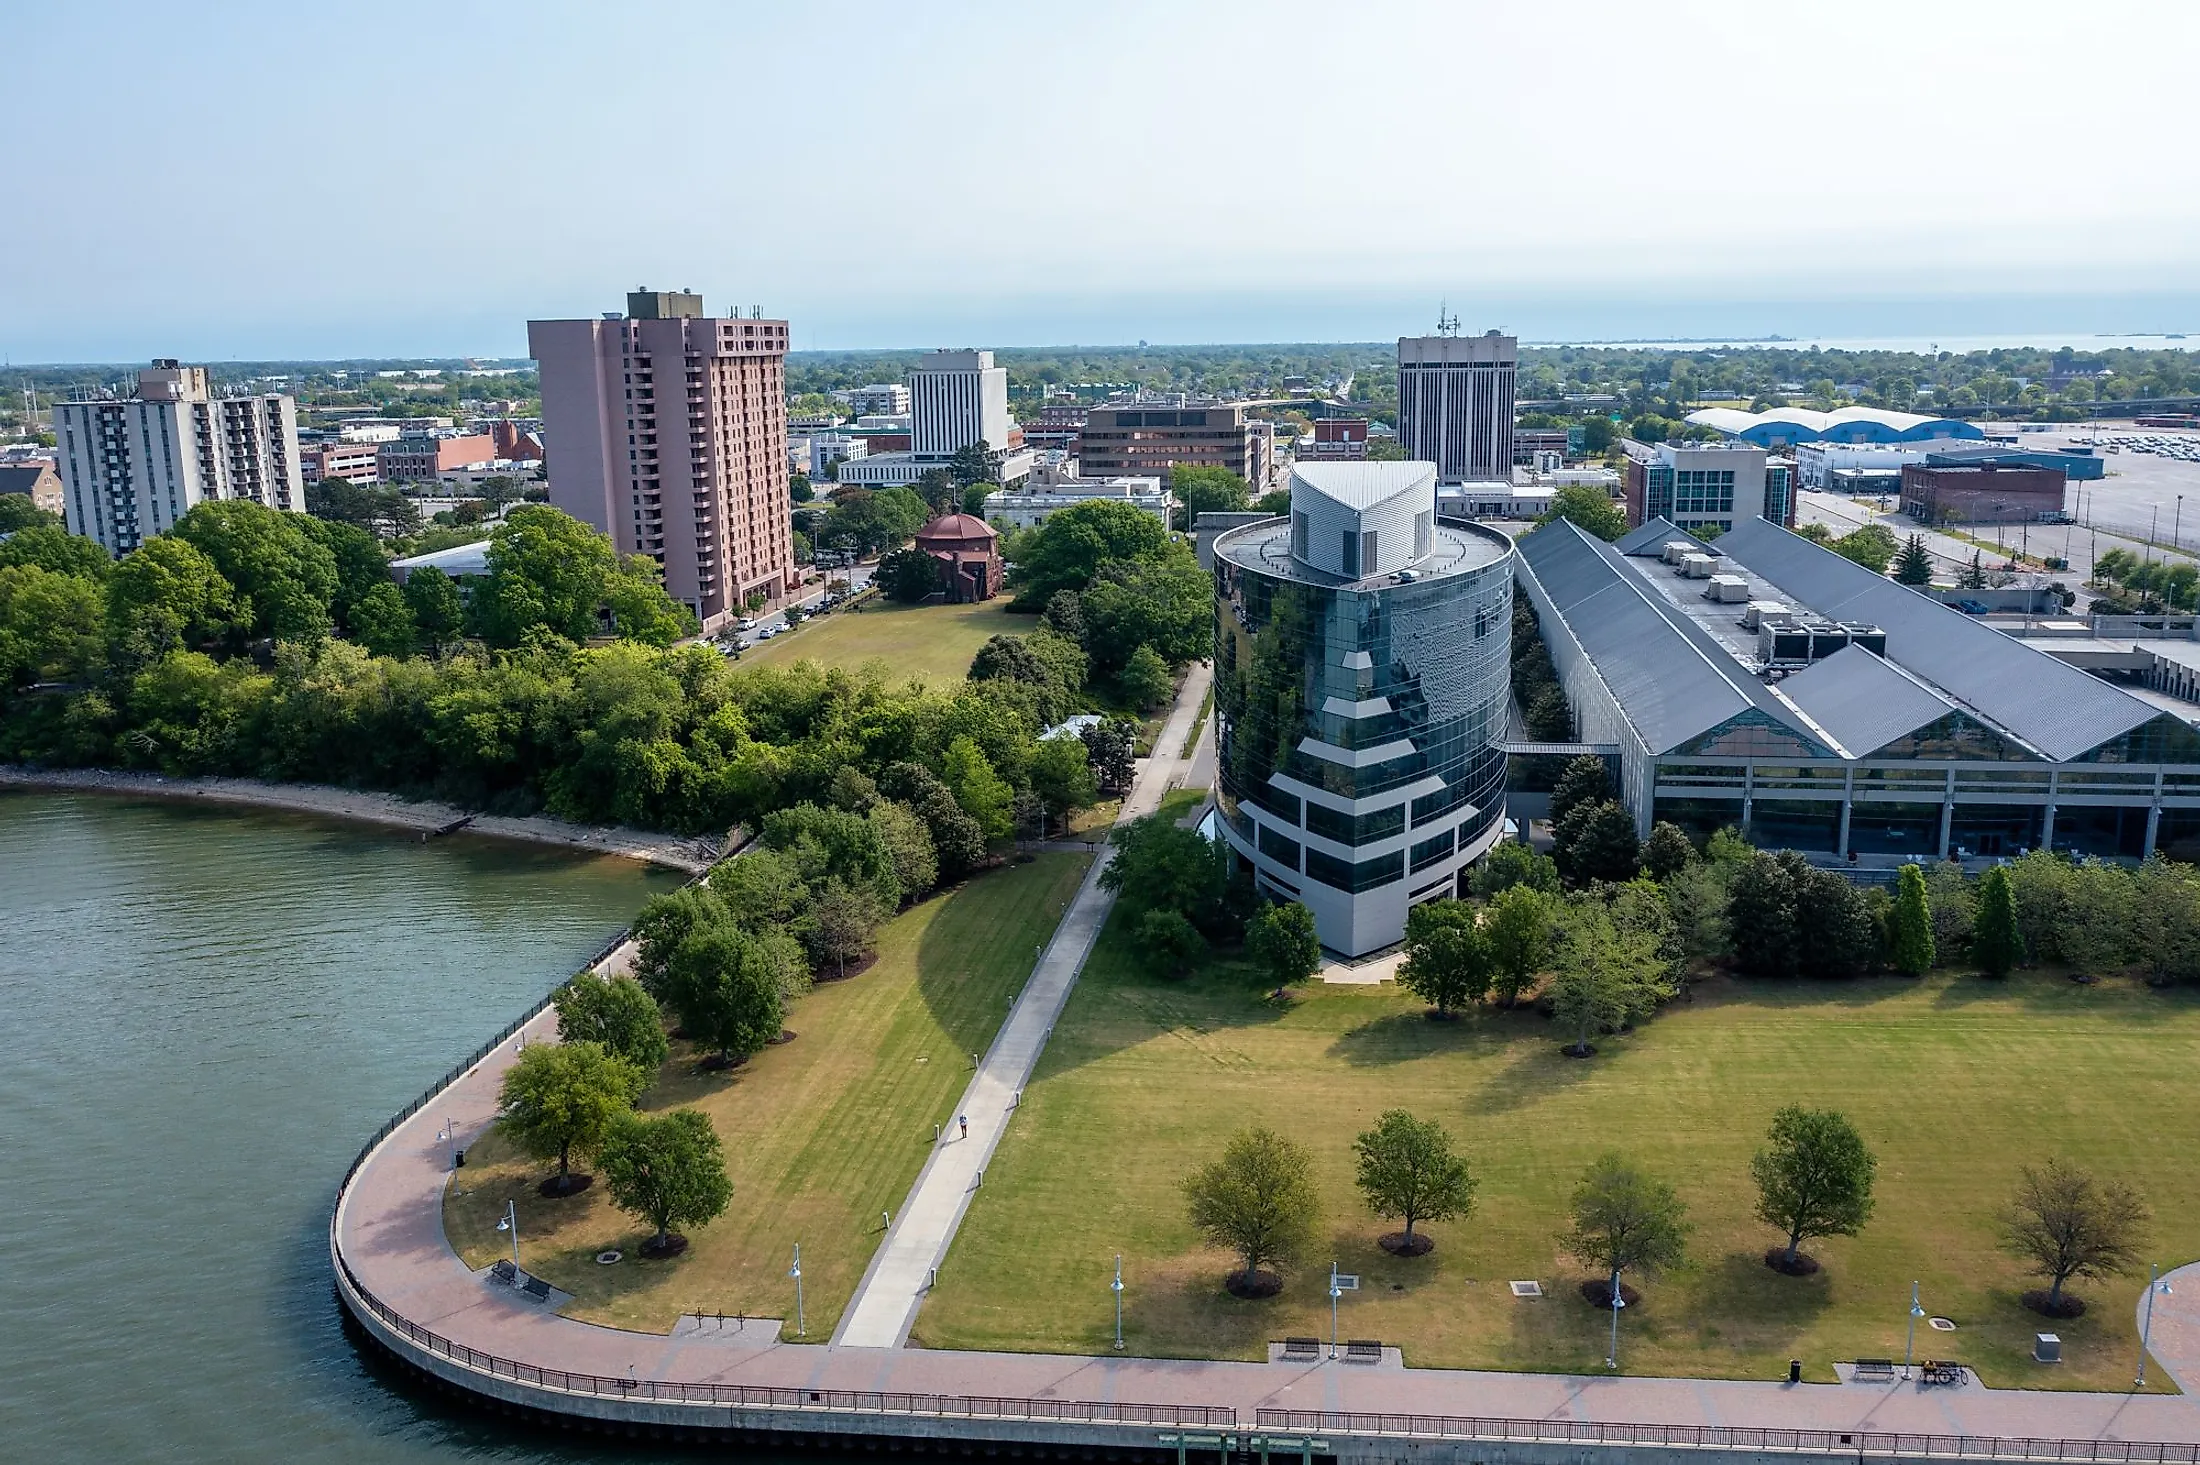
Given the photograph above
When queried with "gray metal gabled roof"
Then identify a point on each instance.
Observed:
(1672, 681)
(2056, 708)
(1654, 535)
(1862, 702)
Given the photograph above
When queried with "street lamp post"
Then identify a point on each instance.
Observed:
(511, 1223)
(2176, 520)
(2156, 1287)
(1611, 1358)
(795, 1272)
(1335, 1292)
(1116, 1287)
(1910, 1342)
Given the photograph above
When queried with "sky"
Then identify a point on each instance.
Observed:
(249, 180)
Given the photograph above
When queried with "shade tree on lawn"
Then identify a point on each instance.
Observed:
(1258, 1200)
(1814, 1178)
(1408, 1170)
(616, 1012)
(2064, 1223)
(1623, 1220)
(558, 1101)
(668, 1171)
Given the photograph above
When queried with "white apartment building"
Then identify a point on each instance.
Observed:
(889, 398)
(957, 398)
(132, 466)
(1455, 404)
(1045, 494)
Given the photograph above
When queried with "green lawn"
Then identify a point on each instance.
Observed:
(1953, 1080)
(931, 642)
(821, 1134)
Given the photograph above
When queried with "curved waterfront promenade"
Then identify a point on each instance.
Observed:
(398, 1275)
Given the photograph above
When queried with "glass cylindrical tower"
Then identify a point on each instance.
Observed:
(1362, 676)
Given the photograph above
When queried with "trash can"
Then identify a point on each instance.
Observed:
(458, 1158)
(1795, 1370)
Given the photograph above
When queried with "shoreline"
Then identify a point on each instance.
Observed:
(360, 806)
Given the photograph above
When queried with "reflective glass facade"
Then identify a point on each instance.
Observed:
(1355, 723)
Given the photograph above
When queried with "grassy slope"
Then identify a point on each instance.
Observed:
(821, 1135)
(1953, 1081)
(933, 642)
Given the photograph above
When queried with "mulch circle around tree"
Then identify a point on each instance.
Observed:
(855, 969)
(557, 1187)
(786, 1035)
(1579, 1050)
(1397, 1245)
(1438, 1014)
(1776, 1257)
(2084, 979)
(2068, 1307)
(720, 1063)
(1597, 1292)
(1253, 1286)
(674, 1244)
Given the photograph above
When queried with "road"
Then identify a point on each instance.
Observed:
(857, 576)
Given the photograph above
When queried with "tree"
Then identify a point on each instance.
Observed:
(1159, 866)
(1913, 565)
(1518, 934)
(546, 569)
(1513, 862)
(981, 792)
(667, 1171)
(1112, 747)
(382, 622)
(845, 919)
(1583, 781)
(1813, 1179)
(916, 862)
(1168, 942)
(438, 610)
(1872, 546)
(1061, 775)
(168, 592)
(1448, 963)
(1973, 575)
(728, 989)
(1697, 896)
(1281, 941)
(53, 548)
(52, 626)
(1596, 842)
(1914, 952)
(2066, 1224)
(1259, 1201)
(970, 465)
(1666, 852)
(618, 1014)
(1590, 508)
(282, 573)
(1607, 978)
(908, 575)
(956, 837)
(1623, 1218)
(1407, 1169)
(664, 923)
(1206, 490)
(1067, 550)
(1009, 659)
(1165, 603)
(1145, 679)
(634, 597)
(560, 1098)
(18, 512)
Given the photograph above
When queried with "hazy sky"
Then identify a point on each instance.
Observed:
(267, 180)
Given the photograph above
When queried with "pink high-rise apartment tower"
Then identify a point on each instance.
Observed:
(667, 430)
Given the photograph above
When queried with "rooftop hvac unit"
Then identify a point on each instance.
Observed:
(1676, 550)
(1727, 589)
(1697, 567)
(1799, 643)
(1760, 611)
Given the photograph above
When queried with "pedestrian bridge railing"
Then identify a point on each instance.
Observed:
(1727, 1437)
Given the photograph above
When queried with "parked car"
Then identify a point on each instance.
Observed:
(1971, 607)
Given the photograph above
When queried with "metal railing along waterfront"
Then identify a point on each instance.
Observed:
(935, 1406)
(1729, 1437)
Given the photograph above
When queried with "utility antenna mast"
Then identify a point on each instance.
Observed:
(1447, 324)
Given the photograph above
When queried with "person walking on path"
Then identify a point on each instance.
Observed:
(965, 1120)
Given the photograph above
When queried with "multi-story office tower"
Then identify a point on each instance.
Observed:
(1362, 685)
(1149, 441)
(1709, 485)
(957, 398)
(132, 466)
(1455, 404)
(667, 430)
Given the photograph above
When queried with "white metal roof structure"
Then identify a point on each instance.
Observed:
(1784, 425)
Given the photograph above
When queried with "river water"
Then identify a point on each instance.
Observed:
(203, 1014)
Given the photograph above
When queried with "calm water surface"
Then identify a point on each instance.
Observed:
(202, 1016)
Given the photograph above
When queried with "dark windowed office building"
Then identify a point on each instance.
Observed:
(1362, 679)
(1760, 681)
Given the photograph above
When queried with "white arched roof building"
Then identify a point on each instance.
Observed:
(1786, 426)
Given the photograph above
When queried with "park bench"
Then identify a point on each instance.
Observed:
(1363, 1350)
(1874, 1370)
(1940, 1371)
(1300, 1348)
(536, 1288)
(504, 1272)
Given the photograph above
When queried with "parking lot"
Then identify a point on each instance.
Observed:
(2150, 470)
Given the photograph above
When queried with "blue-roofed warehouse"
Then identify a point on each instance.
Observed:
(1762, 682)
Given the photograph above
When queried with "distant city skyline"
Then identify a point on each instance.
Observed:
(995, 175)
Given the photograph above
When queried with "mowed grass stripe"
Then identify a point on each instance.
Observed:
(1954, 1082)
(821, 1135)
(933, 643)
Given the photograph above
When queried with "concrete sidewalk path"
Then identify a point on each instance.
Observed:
(886, 1301)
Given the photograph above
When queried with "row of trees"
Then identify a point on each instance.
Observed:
(1814, 1178)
